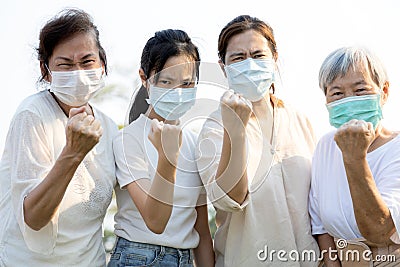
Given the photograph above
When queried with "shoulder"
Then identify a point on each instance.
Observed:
(34, 103)
(391, 149)
(326, 145)
(327, 138)
(34, 108)
(293, 113)
(301, 129)
(132, 134)
(106, 120)
(212, 123)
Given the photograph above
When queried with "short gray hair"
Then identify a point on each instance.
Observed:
(338, 63)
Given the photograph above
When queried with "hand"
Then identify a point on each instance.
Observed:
(235, 111)
(167, 139)
(83, 131)
(354, 138)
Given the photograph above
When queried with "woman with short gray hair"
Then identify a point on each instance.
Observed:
(355, 186)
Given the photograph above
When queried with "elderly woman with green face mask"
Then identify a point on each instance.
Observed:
(355, 187)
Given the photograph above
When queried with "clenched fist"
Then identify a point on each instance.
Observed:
(235, 111)
(83, 131)
(167, 139)
(354, 138)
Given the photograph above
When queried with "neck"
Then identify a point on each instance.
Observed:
(151, 114)
(263, 113)
(382, 136)
(66, 108)
(263, 107)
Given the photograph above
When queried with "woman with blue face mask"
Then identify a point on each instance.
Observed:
(162, 217)
(254, 157)
(355, 189)
(57, 172)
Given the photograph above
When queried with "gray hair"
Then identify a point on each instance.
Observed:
(338, 63)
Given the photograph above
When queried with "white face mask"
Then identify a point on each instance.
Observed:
(76, 88)
(171, 104)
(251, 78)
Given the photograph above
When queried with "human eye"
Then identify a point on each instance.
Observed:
(237, 58)
(64, 65)
(61, 64)
(163, 83)
(261, 55)
(188, 84)
(336, 94)
(88, 62)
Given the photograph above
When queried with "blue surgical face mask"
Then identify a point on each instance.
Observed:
(251, 78)
(366, 108)
(171, 104)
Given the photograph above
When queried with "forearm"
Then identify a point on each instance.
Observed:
(204, 253)
(231, 174)
(372, 214)
(159, 200)
(42, 202)
(327, 247)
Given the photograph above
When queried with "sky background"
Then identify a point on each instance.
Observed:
(306, 32)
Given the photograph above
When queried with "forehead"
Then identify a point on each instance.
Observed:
(78, 45)
(249, 40)
(178, 67)
(353, 74)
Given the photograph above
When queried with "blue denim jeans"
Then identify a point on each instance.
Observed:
(127, 253)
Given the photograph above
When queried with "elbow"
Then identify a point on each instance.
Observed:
(378, 238)
(34, 225)
(242, 197)
(378, 235)
(32, 218)
(155, 226)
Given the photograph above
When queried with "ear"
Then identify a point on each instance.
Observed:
(143, 77)
(385, 92)
(103, 67)
(44, 70)
(222, 66)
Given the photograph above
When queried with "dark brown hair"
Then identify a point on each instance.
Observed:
(241, 24)
(61, 27)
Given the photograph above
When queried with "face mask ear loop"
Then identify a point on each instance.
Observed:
(48, 69)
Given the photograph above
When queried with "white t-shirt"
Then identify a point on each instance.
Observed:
(136, 158)
(331, 206)
(74, 236)
(275, 212)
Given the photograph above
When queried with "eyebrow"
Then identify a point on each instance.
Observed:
(170, 78)
(165, 76)
(258, 51)
(251, 53)
(236, 54)
(70, 60)
(360, 82)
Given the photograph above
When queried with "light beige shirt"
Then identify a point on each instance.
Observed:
(274, 215)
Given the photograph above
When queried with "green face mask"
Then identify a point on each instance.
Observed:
(366, 108)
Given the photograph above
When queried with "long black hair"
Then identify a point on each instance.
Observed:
(158, 49)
